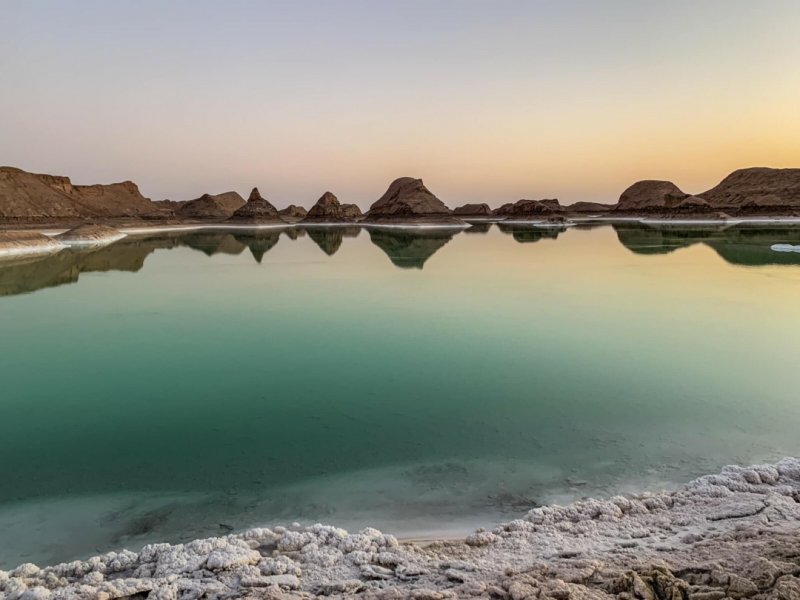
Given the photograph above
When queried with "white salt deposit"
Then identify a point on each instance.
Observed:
(729, 535)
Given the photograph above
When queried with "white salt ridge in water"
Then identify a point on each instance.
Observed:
(785, 248)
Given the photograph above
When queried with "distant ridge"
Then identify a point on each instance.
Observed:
(32, 198)
(35, 197)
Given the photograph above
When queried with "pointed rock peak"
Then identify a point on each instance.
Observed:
(328, 197)
(255, 195)
(407, 199)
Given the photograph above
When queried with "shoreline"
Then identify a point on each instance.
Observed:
(20, 249)
(730, 534)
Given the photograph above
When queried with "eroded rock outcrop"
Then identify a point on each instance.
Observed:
(589, 208)
(408, 201)
(522, 210)
(257, 211)
(661, 198)
(328, 210)
(757, 190)
(352, 212)
(33, 197)
(293, 213)
(214, 207)
(473, 210)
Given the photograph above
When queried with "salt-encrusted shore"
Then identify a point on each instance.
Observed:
(732, 535)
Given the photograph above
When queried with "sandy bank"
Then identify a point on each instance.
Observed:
(730, 535)
(27, 243)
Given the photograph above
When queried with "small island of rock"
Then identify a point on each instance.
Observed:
(328, 210)
(408, 201)
(257, 211)
(293, 213)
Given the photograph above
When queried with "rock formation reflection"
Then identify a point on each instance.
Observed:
(747, 245)
(529, 234)
(259, 242)
(329, 239)
(410, 249)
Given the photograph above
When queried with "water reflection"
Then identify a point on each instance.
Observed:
(260, 243)
(528, 234)
(410, 249)
(747, 245)
(329, 239)
(478, 228)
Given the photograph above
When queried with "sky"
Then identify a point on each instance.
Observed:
(486, 101)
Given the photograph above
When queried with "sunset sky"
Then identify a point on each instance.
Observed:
(485, 101)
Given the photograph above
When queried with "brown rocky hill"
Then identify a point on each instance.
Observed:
(529, 209)
(757, 190)
(352, 212)
(257, 211)
(32, 197)
(660, 197)
(210, 206)
(589, 207)
(473, 210)
(408, 200)
(328, 210)
(293, 213)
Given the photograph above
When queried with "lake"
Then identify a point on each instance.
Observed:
(182, 385)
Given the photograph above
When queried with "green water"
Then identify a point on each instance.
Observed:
(175, 386)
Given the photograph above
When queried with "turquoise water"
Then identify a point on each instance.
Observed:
(175, 386)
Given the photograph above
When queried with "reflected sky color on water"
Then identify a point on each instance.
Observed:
(169, 387)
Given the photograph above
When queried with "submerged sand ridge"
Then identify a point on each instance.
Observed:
(734, 534)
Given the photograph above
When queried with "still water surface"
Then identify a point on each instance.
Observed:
(177, 386)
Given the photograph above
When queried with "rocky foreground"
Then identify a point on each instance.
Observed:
(726, 536)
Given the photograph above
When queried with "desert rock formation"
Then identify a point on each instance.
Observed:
(473, 210)
(214, 207)
(529, 209)
(408, 200)
(257, 211)
(293, 213)
(328, 210)
(31, 197)
(757, 190)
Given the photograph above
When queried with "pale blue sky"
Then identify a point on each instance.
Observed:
(484, 100)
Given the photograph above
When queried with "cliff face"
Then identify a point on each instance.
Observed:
(31, 197)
